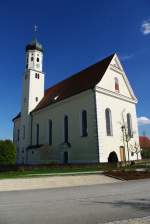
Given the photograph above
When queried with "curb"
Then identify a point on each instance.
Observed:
(65, 174)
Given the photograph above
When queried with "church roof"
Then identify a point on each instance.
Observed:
(81, 81)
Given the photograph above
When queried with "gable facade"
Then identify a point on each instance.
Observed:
(120, 102)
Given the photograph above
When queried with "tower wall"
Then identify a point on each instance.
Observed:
(33, 92)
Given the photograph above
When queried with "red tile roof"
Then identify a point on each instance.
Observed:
(83, 80)
(144, 142)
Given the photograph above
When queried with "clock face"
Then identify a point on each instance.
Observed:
(37, 65)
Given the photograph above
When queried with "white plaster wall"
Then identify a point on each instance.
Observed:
(36, 89)
(108, 82)
(83, 149)
(108, 144)
(107, 97)
(32, 88)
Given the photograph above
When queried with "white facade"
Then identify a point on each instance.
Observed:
(37, 144)
(120, 103)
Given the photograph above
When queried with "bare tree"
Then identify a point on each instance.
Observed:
(125, 135)
(126, 138)
(135, 148)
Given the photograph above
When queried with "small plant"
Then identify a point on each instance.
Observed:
(145, 153)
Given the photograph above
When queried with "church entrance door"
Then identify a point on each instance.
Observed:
(122, 154)
(65, 157)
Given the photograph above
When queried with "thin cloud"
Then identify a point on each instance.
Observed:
(127, 57)
(145, 28)
(143, 121)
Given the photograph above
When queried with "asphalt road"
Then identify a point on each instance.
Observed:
(76, 205)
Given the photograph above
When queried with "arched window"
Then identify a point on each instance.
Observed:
(129, 123)
(18, 135)
(37, 60)
(66, 129)
(84, 123)
(50, 132)
(23, 131)
(108, 122)
(116, 84)
(32, 58)
(37, 134)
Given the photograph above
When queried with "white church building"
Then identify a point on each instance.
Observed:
(78, 120)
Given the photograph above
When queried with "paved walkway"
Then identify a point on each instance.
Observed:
(54, 182)
(144, 220)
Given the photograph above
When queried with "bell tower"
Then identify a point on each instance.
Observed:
(33, 80)
(33, 90)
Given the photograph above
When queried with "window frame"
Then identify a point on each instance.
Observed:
(50, 132)
(24, 132)
(117, 87)
(66, 129)
(129, 125)
(108, 121)
(37, 133)
(18, 134)
(84, 123)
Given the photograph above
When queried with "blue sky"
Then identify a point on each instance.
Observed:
(75, 34)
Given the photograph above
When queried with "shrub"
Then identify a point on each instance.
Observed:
(7, 153)
(113, 158)
(145, 153)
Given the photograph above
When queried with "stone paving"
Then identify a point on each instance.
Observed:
(144, 220)
(54, 182)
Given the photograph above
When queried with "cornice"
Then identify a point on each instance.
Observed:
(115, 95)
(115, 69)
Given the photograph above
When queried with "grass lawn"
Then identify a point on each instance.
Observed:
(55, 170)
(37, 172)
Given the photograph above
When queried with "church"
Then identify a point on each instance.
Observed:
(81, 119)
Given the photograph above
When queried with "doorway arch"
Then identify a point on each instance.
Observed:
(113, 158)
(65, 157)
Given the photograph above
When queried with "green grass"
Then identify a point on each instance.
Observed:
(24, 172)
(37, 172)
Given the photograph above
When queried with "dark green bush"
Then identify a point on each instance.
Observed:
(145, 153)
(7, 152)
(113, 158)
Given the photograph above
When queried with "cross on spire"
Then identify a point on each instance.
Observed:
(35, 28)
